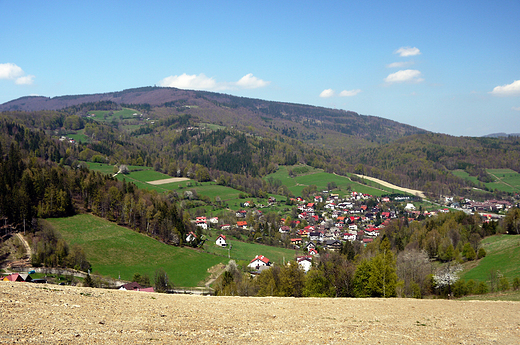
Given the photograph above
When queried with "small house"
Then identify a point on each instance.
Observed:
(259, 261)
(221, 241)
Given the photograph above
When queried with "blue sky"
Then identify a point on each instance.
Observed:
(446, 66)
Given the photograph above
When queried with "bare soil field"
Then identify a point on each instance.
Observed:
(393, 186)
(50, 314)
(168, 180)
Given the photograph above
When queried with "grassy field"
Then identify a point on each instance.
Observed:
(306, 176)
(114, 250)
(495, 296)
(140, 175)
(79, 136)
(123, 114)
(247, 251)
(109, 169)
(503, 254)
(506, 180)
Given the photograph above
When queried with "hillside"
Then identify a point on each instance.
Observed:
(297, 121)
(34, 314)
(175, 131)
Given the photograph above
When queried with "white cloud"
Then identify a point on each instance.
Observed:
(193, 82)
(25, 80)
(400, 64)
(249, 81)
(407, 51)
(201, 82)
(10, 71)
(407, 75)
(349, 93)
(516, 108)
(327, 93)
(512, 89)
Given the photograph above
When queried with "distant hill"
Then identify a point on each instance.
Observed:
(313, 124)
(501, 135)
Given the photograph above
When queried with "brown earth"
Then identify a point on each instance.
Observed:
(168, 180)
(50, 314)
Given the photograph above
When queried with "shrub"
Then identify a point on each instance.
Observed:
(481, 253)
(482, 288)
(416, 290)
(516, 283)
(470, 286)
(504, 284)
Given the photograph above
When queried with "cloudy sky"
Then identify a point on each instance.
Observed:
(446, 66)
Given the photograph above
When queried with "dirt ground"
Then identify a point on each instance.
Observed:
(393, 186)
(50, 314)
(168, 180)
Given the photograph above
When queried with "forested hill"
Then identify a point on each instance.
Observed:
(237, 141)
(316, 125)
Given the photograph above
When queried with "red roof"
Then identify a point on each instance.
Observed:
(223, 236)
(14, 277)
(261, 258)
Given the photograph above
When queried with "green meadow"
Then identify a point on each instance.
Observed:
(123, 114)
(505, 180)
(503, 254)
(306, 176)
(114, 250)
(244, 251)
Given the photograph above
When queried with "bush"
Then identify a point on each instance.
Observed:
(459, 288)
(481, 253)
(470, 286)
(416, 290)
(162, 281)
(504, 284)
(516, 283)
(482, 288)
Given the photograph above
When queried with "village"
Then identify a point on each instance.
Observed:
(326, 222)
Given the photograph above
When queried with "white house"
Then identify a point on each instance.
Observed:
(221, 241)
(259, 261)
(305, 262)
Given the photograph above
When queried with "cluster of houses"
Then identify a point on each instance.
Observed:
(68, 140)
(21, 277)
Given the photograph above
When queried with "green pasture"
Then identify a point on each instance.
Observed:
(503, 254)
(79, 136)
(114, 250)
(306, 176)
(506, 180)
(109, 169)
(123, 114)
(247, 251)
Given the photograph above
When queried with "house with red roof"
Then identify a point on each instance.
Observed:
(259, 261)
(191, 237)
(13, 277)
(313, 251)
(221, 241)
(305, 262)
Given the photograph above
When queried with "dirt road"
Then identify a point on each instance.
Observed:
(48, 314)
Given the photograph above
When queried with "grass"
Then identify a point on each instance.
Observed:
(123, 114)
(306, 176)
(506, 180)
(79, 136)
(503, 254)
(247, 251)
(114, 250)
(495, 296)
